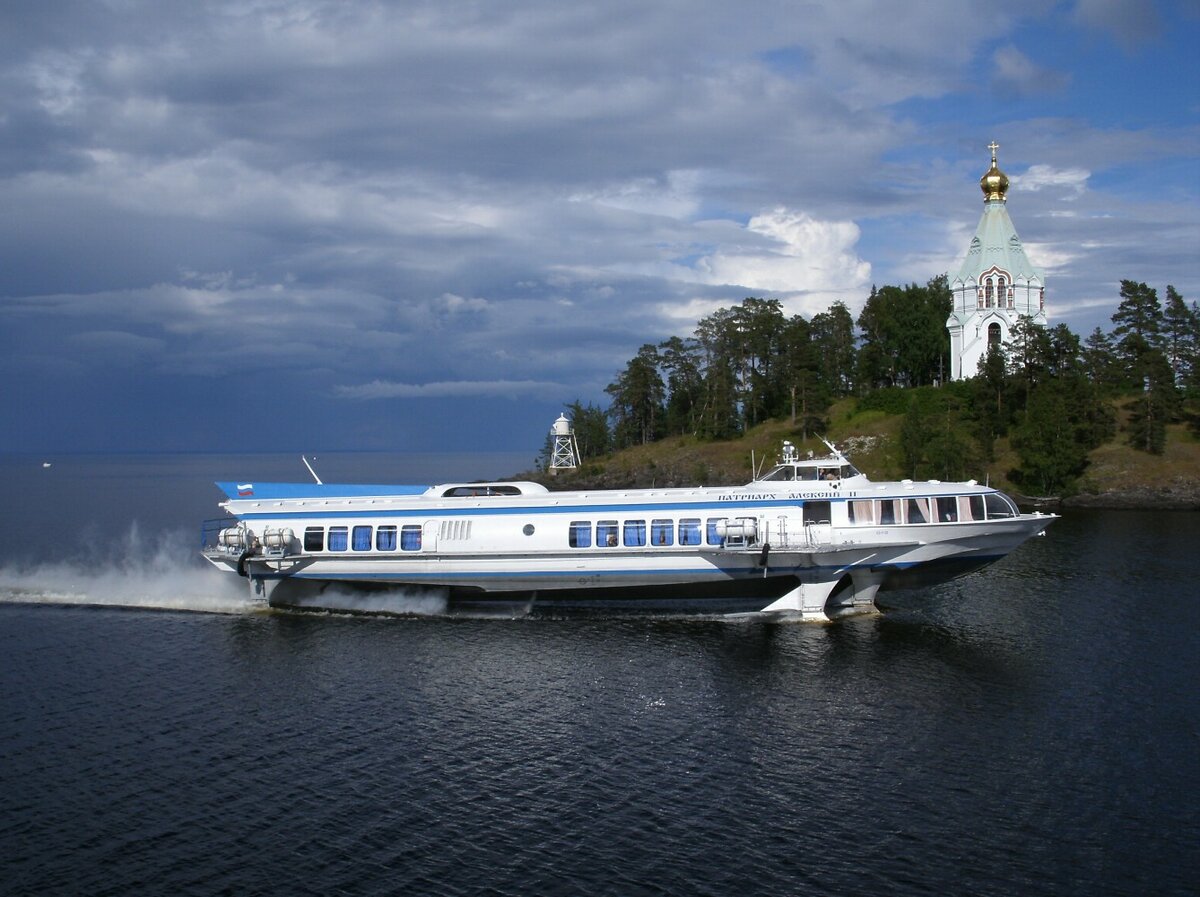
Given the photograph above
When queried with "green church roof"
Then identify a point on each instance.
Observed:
(996, 243)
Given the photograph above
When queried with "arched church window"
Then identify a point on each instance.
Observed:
(993, 334)
(990, 292)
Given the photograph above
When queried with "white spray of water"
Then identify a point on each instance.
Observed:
(409, 602)
(166, 573)
(162, 572)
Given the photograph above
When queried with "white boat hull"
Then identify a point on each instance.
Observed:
(813, 539)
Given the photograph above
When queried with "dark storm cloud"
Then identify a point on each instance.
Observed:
(325, 203)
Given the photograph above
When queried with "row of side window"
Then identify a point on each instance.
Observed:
(359, 538)
(633, 533)
(942, 509)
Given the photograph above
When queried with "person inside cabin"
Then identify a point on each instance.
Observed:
(612, 540)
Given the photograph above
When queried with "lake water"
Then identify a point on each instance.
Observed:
(1031, 729)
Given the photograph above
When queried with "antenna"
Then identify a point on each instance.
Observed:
(310, 470)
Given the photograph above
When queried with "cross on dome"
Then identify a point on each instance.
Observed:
(994, 182)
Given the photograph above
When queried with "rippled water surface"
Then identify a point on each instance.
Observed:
(1031, 729)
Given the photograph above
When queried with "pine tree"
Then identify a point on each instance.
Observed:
(833, 341)
(637, 399)
(1099, 362)
(1138, 331)
(1179, 337)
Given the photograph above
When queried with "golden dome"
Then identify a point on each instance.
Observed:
(994, 182)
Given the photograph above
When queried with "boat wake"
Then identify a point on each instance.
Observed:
(161, 573)
(166, 573)
(406, 602)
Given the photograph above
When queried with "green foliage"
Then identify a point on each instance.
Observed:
(591, 429)
(1181, 338)
(681, 360)
(888, 399)
(833, 343)
(1138, 324)
(905, 341)
(933, 439)
(1048, 443)
(1046, 390)
(637, 400)
(1100, 362)
(1158, 403)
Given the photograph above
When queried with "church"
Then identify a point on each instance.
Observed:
(995, 285)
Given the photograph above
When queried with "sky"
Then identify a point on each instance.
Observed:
(277, 225)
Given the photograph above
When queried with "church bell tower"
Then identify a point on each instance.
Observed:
(995, 285)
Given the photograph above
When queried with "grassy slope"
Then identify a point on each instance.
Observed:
(1118, 475)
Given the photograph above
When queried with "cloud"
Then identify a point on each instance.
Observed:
(380, 389)
(1129, 22)
(1071, 181)
(797, 254)
(117, 347)
(319, 201)
(1014, 71)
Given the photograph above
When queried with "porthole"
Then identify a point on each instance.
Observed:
(528, 530)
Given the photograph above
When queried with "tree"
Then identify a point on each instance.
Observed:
(717, 335)
(904, 335)
(1179, 336)
(758, 324)
(832, 338)
(1047, 442)
(1138, 331)
(1100, 363)
(637, 400)
(989, 405)
(1157, 404)
(682, 359)
(590, 424)
(932, 436)
(804, 392)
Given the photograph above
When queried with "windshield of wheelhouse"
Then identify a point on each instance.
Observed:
(823, 472)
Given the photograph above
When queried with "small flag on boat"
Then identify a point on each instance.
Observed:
(245, 488)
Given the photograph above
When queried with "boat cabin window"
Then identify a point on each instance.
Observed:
(580, 534)
(361, 538)
(889, 511)
(970, 507)
(999, 506)
(338, 538)
(916, 510)
(783, 472)
(816, 512)
(689, 531)
(385, 538)
(662, 532)
(606, 533)
(947, 509)
(410, 537)
(314, 538)
(861, 513)
(635, 532)
(711, 536)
